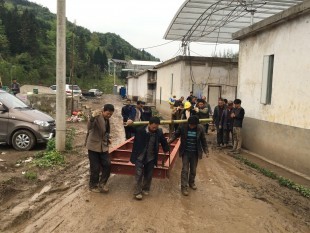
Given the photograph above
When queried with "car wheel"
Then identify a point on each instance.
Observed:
(23, 140)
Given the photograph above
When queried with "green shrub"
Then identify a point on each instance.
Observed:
(31, 175)
(49, 159)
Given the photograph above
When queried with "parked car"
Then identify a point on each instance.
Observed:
(21, 126)
(76, 89)
(96, 92)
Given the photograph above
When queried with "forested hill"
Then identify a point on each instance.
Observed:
(28, 46)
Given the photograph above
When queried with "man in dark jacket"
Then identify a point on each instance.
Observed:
(136, 114)
(97, 143)
(227, 123)
(126, 111)
(238, 115)
(193, 145)
(145, 155)
(15, 87)
(217, 117)
(202, 112)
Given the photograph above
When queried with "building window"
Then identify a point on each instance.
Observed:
(267, 79)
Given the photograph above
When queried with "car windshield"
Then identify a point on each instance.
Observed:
(11, 101)
(75, 87)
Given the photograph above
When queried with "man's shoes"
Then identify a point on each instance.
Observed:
(193, 186)
(219, 145)
(185, 192)
(145, 193)
(139, 197)
(103, 188)
(233, 150)
(236, 152)
(94, 189)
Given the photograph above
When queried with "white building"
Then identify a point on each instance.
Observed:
(135, 66)
(205, 76)
(142, 86)
(274, 84)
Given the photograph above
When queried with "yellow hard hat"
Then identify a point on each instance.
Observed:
(187, 105)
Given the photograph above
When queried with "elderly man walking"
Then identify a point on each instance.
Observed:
(97, 143)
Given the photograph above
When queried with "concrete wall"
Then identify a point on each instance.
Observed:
(283, 144)
(206, 72)
(132, 87)
(138, 86)
(290, 45)
(47, 103)
(279, 131)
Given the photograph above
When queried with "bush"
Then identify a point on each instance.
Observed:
(31, 175)
(49, 159)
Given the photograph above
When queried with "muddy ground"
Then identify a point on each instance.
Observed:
(231, 197)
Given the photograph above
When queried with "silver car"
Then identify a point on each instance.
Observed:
(21, 126)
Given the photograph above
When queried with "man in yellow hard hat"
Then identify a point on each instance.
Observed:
(188, 111)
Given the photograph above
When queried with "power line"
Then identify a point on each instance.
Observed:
(155, 46)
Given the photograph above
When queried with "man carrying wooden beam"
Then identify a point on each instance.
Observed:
(145, 155)
(193, 145)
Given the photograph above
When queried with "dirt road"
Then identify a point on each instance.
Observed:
(230, 198)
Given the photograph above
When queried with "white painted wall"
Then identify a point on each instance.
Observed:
(222, 74)
(290, 44)
(142, 86)
(131, 87)
(137, 86)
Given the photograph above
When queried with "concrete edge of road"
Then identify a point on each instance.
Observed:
(277, 164)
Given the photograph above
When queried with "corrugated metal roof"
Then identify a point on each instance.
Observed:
(214, 21)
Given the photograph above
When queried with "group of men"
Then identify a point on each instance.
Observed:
(228, 119)
(145, 150)
(132, 113)
(192, 107)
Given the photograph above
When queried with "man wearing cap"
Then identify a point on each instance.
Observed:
(97, 142)
(193, 145)
(145, 155)
(187, 111)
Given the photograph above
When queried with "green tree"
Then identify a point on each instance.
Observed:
(4, 43)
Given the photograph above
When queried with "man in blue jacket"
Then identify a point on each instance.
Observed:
(193, 145)
(145, 155)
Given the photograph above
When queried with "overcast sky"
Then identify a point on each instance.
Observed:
(142, 23)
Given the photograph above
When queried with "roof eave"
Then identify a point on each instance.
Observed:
(276, 19)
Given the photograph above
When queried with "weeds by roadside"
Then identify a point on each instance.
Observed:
(51, 157)
(304, 191)
(30, 175)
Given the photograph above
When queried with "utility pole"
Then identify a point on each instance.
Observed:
(61, 76)
(72, 69)
(114, 73)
